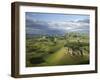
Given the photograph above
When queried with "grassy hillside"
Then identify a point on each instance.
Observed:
(68, 49)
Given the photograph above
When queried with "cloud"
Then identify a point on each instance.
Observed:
(69, 26)
(52, 27)
(84, 21)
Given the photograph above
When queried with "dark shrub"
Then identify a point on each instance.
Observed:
(36, 60)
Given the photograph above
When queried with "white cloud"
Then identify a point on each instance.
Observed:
(68, 25)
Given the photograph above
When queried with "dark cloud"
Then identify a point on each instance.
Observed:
(84, 21)
(43, 27)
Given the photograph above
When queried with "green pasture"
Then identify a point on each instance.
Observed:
(52, 50)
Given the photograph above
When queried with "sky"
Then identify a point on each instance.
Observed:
(55, 23)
